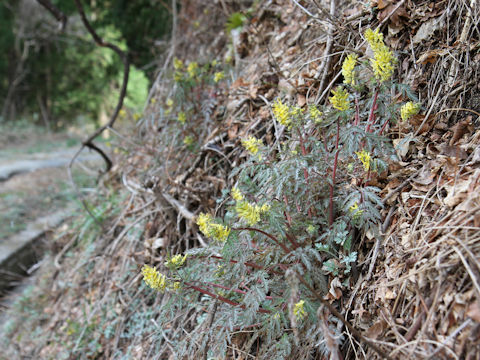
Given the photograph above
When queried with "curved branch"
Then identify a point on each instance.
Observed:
(126, 69)
(57, 13)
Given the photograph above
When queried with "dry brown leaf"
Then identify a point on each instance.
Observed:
(431, 56)
(395, 18)
(461, 128)
(301, 100)
(376, 330)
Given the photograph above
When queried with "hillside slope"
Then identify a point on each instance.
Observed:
(413, 290)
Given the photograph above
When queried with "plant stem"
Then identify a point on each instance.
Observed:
(371, 117)
(357, 111)
(221, 298)
(273, 238)
(384, 126)
(253, 265)
(234, 290)
(335, 163)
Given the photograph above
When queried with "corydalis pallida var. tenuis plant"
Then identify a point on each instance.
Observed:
(294, 211)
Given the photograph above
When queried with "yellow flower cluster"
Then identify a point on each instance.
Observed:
(250, 213)
(355, 211)
(339, 99)
(169, 108)
(188, 140)
(299, 310)
(153, 278)
(315, 114)
(408, 110)
(296, 111)
(348, 69)
(384, 61)
(192, 69)
(236, 194)
(177, 64)
(182, 117)
(218, 76)
(252, 145)
(211, 229)
(246, 211)
(176, 261)
(365, 158)
(282, 113)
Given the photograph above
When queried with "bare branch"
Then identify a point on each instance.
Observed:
(58, 14)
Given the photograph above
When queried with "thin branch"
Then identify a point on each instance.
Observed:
(57, 13)
(89, 141)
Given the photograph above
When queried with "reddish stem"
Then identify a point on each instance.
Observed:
(384, 126)
(287, 215)
(273, 238)
(253, 265)
(335, 163)
(357, 111)
(371, 117)
(234, 290)
(221, 298)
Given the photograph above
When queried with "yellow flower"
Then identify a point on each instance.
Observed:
(298, 310)
(339, 99)
(176, 262)
(383, 62)
(252, 145)
(409, 109)
(122, 113)
(210, 229)
(219, 232)
(218, 76)
(236, 194)
(137, 116)
(355, 211)
(282, 113)
(265, 208)
(169, 102)
(214, 62)
(182, 118)
(248, 212)
(315, 114)
(192, 69)
(178, 76)
(203, 222)
(177, 64)
(188, 140)
(348, 69)
(374, 38)
(296, 111)
(365, 158)
(153, 278)
(176, 286)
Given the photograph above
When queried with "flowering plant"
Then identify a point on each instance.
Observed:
(296, 211)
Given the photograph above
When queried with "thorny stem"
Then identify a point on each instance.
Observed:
(371, 117)
(335, 163)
